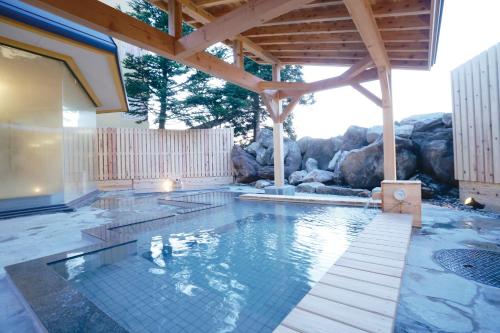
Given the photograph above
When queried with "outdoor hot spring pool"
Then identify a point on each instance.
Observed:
(237, 268)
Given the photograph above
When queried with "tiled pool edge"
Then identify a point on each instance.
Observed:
(324, 200)
(360, 291)
(54, 304)
(52, 299)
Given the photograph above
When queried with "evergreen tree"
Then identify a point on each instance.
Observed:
(153, 82)
(174, 91)
(238, 107)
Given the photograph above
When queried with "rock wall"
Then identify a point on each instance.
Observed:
(424, 151)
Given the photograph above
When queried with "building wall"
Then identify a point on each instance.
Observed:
(79, 123)
(476, 127)
(30, 127)
(39, 97)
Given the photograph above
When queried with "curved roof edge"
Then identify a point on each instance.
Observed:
(18, 11)
(437, 30)
(33, 16)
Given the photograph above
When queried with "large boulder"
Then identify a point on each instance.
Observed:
(373, 133)
(437, 160)
(293, 157)
(430, 187)
(354, 138)
(322, 150)
(253, 148)
(245, 166)
(265, 172)
(404, 131)
(340, 190)
(261, 155)
(311, 164)
(263, 150)
(435, 153)
(424, 122)
(265, 137)
(440, 133)
(247, 169)
(334, 166)
(263, 183)
(297, 177)
(447, 120)
(364, 167)
(267, 157)
(308, 187)
(321, 176)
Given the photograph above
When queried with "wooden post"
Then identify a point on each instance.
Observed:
(238, 53)
(279, 164)
(279, 158)
(388, 123)
(174, 19)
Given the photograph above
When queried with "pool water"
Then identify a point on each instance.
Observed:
(237, 268)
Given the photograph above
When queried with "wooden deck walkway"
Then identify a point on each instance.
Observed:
(360, 291)
(320, 199)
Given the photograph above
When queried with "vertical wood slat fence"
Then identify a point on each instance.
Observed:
(476, 118)
(124, 153)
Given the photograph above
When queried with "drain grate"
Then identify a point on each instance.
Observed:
(477, 265)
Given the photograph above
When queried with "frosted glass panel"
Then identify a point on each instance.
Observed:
(30, 126)
(79, 121)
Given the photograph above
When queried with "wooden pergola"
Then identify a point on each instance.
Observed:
(370, 36)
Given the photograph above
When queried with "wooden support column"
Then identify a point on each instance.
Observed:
(174, 19)
(388, 124)
(279, 158)
(238, 53)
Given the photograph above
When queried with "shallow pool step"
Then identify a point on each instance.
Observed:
(359, 293)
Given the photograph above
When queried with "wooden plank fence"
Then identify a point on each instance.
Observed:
(476, 118)
(142, 154)
(156, 154)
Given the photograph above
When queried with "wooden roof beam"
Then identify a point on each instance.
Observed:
(386, 8)
(365, 76)
(233, 23)
(201, 15)
(344, 47)
(214, 3)
(348, 37)
(403, 23)
(349, 55)
(362, 15)
(101, 17)
(343, 79)
(368, 94)
(395, 64)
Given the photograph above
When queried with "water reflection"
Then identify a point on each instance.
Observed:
(243, 276)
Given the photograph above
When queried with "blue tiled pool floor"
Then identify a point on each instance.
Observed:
(432, 300)
(243, 271)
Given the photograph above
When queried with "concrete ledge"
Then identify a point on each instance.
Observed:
(360, 292)
(310, 199)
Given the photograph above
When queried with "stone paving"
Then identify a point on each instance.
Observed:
(435, 300)
(31, 237)
(432, 299)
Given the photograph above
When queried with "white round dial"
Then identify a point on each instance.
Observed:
(399, 194)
